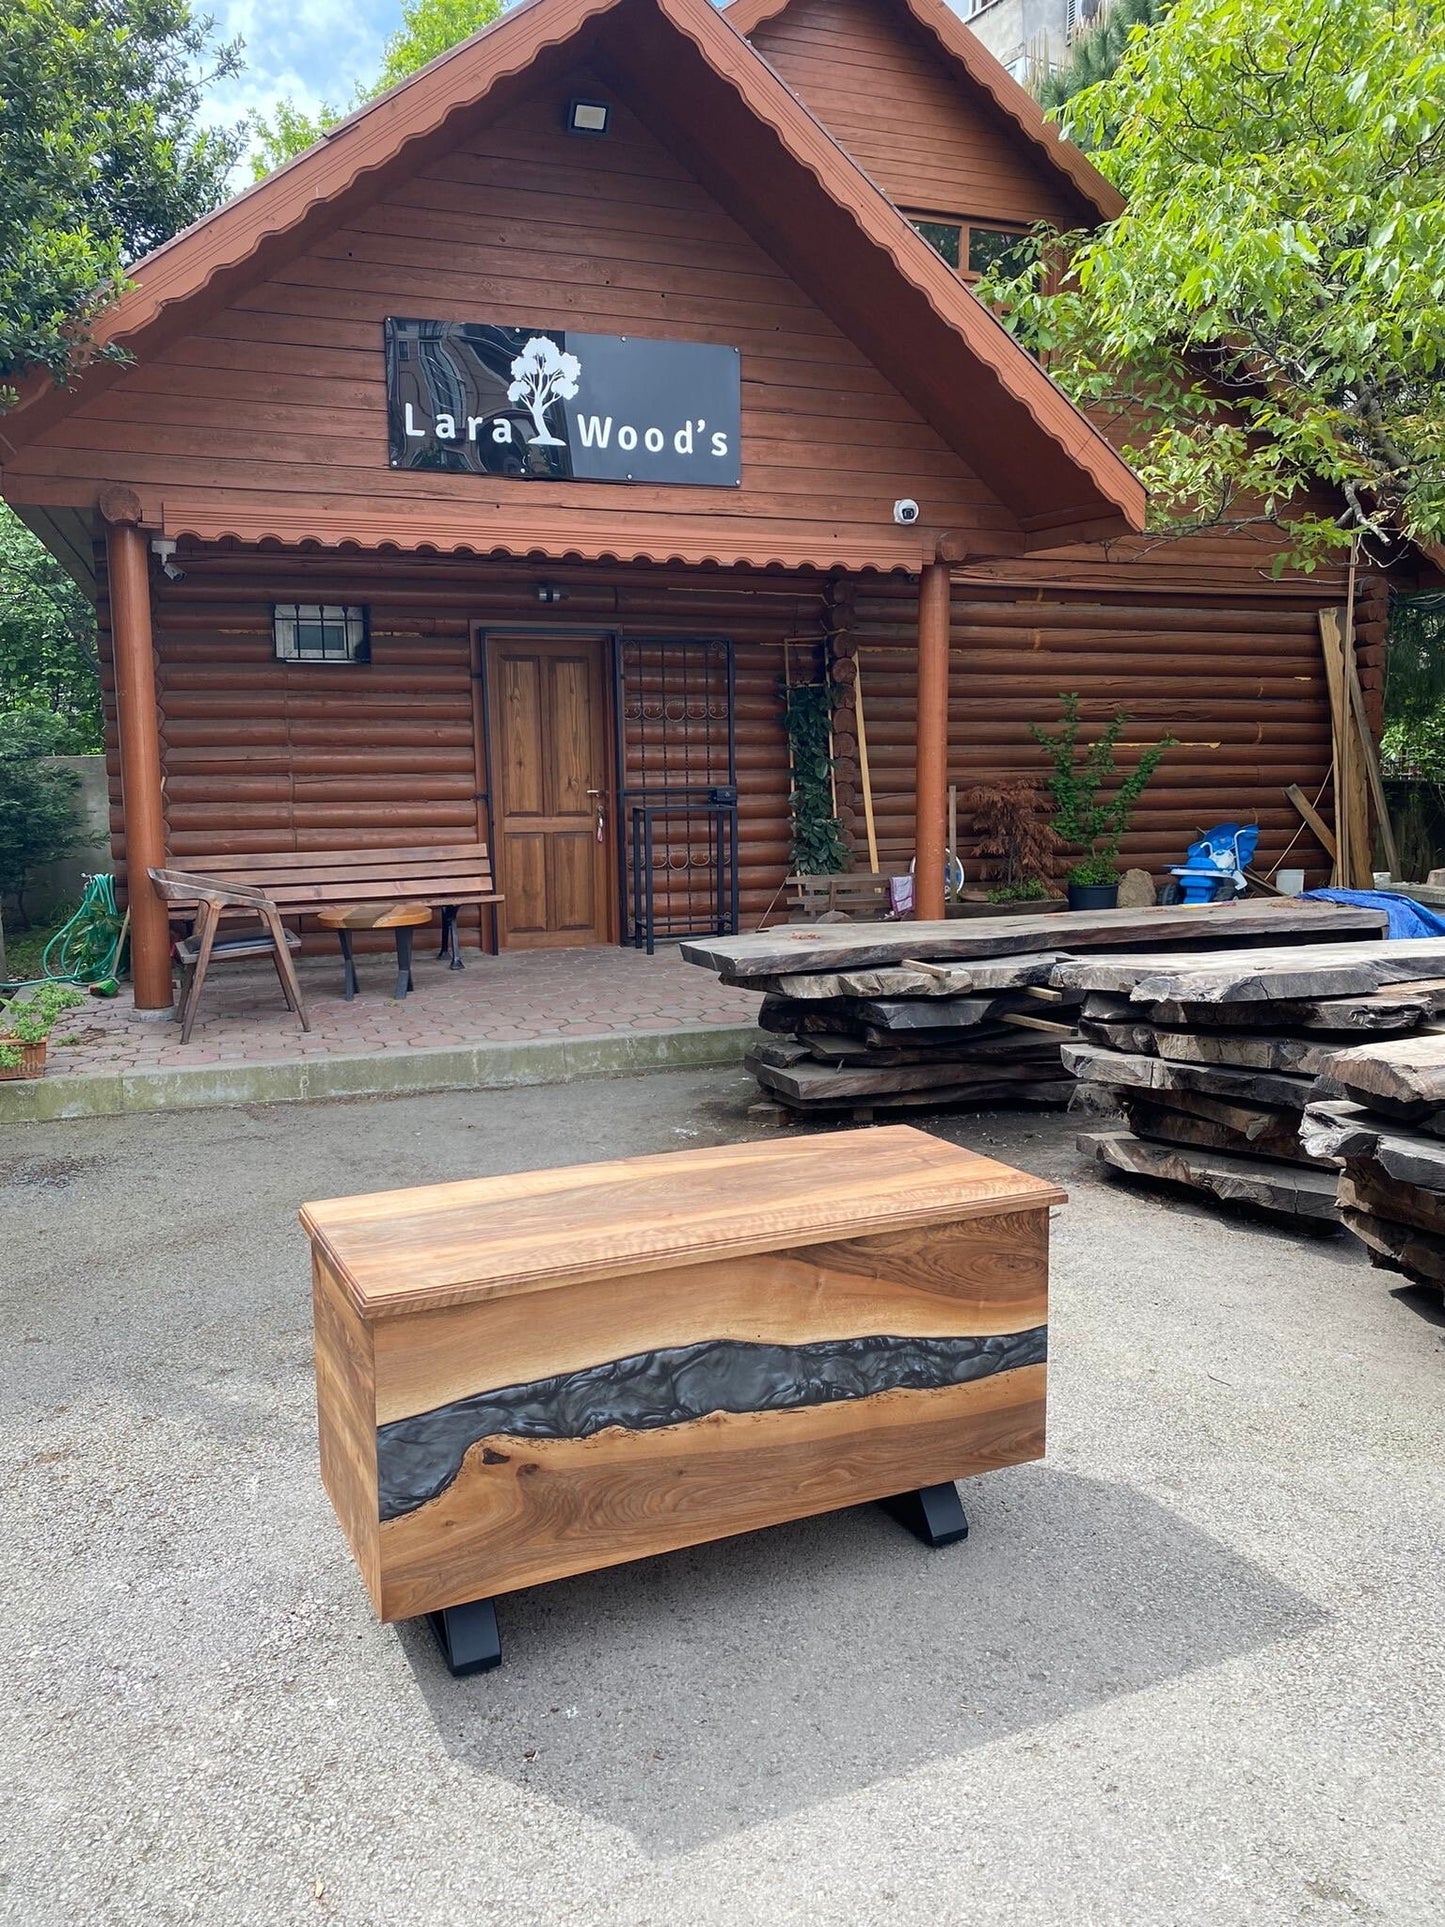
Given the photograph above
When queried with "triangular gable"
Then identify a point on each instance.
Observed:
(988, 82)
(700, 88)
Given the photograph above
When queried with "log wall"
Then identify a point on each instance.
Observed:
(264, 755)
(1239, 679)
(260, 754)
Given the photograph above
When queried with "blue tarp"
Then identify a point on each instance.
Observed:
(1407, 918)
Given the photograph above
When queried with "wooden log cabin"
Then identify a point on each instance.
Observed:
(482, 473)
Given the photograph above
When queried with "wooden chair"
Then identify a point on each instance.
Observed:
(212, 898)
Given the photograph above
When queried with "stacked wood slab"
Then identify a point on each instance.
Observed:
(1387, 1133)
(891, 1016)
(1214, 1060)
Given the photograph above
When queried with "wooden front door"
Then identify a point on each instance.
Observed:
(551, 781)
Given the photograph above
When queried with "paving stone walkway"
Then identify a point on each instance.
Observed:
(514, 998)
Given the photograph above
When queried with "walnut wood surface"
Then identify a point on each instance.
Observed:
(1093, 1065)
(527, 1511)
(403, 1251)
(838, 947)
(381, 916)
(1401, 1247)
(346, 1418)
(455, 1292)
(1288, 1189)
(1213, 1123)
(1244, 1049)
(1404, 1076)
(1284, 973)
(1364, 1187)
(976, 1278)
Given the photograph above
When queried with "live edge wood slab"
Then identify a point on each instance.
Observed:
(524, 1377)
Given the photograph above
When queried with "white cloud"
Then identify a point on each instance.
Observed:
(307, 51)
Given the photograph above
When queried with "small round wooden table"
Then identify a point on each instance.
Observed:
(403, 918)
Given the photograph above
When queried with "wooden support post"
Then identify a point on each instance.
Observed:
(140, 760)
(865, 776)
(931, 763)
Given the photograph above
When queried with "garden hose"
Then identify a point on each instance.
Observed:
(86, 949)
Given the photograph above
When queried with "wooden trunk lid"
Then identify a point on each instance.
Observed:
(398, 1252)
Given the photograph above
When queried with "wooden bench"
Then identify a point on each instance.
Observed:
(448, 877)
(524, 1377)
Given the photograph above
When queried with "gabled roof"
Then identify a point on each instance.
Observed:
(716, 104)
(971, 63)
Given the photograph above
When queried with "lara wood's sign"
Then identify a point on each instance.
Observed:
(468, 398)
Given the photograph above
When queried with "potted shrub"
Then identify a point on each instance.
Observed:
(1091, 823)
(25, 1024)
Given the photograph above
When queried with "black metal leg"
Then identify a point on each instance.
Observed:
(448, 912)
(468, 1637)
(933, 1513)
(453, 940)
(403, 960)
(348, 962)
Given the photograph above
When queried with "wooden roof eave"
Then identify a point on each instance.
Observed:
(969, 60)
(1044, 421)
(1048, 445)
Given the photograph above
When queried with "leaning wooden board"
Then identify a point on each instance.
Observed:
(524, 1377)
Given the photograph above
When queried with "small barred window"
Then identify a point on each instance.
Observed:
(321, 632)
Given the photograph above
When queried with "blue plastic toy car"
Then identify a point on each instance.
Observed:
(1213, 868)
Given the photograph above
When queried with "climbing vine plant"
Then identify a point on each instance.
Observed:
(817, 847)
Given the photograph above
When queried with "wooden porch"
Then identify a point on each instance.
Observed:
(519, 997)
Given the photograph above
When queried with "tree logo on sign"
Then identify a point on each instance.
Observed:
(541, 374)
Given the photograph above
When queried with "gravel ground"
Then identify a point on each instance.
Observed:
(1188, 1670)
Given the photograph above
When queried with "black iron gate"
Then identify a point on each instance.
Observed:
(677, 789)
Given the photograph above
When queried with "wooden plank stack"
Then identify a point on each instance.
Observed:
(1214, 1060)
(1386, 1131)
(890, 1016)
(963, 1034)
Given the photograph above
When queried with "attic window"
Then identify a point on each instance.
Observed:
(321, 632)
(971, 248)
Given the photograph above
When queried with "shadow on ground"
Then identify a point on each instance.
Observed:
(824, 1657)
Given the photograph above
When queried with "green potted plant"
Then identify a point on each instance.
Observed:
(1091, 823)
(25, 1024)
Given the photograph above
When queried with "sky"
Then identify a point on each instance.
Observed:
(309, 50)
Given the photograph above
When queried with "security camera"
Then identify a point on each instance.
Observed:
(906, 511)
(165, 550)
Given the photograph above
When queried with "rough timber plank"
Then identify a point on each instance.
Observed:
(1246, 1050)
(1092, 1065)
(1288, 1190)
(1001, 974)
(1391, 1009)
(939, 1013)
(1401, 1247)
(832, 947)
(811, 1083)
(1214, 1124)
(1363, 1187)
(1281, 974)
(1349, 1131)
(1403, 1078)
(1302, 1056)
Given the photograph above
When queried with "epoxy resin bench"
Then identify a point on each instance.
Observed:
(520, 1378)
